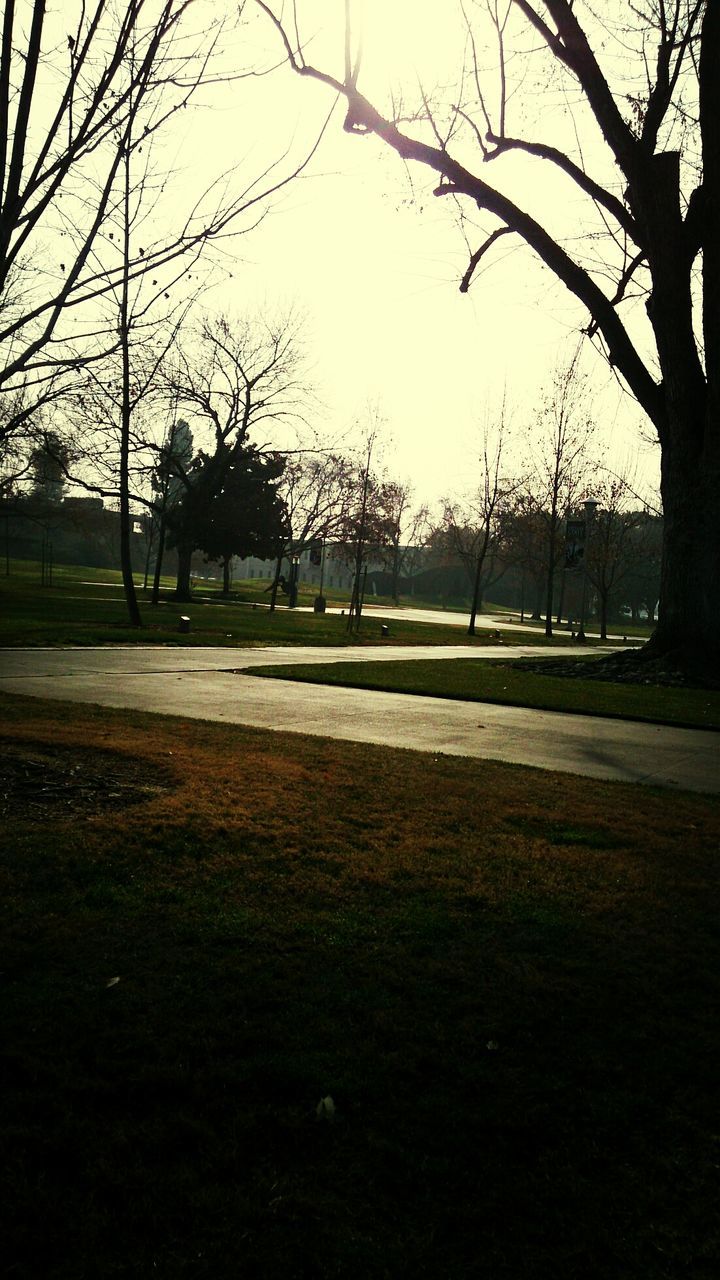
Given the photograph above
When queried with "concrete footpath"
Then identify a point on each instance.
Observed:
(209, 684)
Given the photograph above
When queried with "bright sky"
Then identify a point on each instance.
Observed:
(375, 262)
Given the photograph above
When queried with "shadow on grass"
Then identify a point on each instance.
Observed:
(507, 1000)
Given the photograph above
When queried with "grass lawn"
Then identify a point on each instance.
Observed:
(505, 979)
(86, 607)
(472, 679)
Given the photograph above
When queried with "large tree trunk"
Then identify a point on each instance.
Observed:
(688, 628)
(476, 596)
(673, 235)
(126, 407)
(689, 610)
(552, 555)
(184, 557)
(125, 547)
(603, 610)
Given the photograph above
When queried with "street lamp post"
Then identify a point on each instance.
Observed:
(590, 505)
(322, 566)
(320, 603)
(293, 584)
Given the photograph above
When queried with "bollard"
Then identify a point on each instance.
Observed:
(384, 629)
(184, 624)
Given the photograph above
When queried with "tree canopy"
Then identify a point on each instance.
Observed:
(245, 517)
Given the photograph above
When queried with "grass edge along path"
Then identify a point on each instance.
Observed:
(503, 979)
(480, 680)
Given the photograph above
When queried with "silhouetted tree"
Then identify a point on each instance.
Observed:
(167, 481)
(477, 528)
(234, 379)
(405, 531)
(85, 91)
(245, 516)
(557, 467)
(611, 548)
(317, 489)
(638, 87)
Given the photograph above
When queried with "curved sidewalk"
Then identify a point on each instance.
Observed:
(209, 684)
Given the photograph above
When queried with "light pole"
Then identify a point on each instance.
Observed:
(293, 584)
(590, 505)
(319, 605)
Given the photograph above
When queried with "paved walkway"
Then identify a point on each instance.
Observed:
(208, 684)
(451, 618)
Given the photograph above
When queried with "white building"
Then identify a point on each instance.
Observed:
(336, 574)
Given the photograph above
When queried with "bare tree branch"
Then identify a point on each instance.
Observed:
(479, 254)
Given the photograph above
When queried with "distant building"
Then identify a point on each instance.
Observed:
(337, 573)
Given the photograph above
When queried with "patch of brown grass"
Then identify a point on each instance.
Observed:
(464, 826)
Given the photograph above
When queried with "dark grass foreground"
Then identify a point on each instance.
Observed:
(506, 980)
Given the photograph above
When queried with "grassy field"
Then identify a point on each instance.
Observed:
(504, 979)
(86, 607)
(472, 679)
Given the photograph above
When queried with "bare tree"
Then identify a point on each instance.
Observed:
(557, 470)
(636, 86)
(476, 529)
(618, 538)
(317, 490)
(526, 549)
(18, 433)
(83, 88)
(361, 531)
(641, 585)
(406, 530)
(235, 381)
(113, 412)
(365, 528)
(174, 459)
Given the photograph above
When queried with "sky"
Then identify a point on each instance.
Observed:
(362, 248)
(378, 281)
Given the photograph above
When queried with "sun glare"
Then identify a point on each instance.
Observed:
(403, 42)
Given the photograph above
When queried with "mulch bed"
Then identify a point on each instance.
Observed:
(619, 668)
(37, 778)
